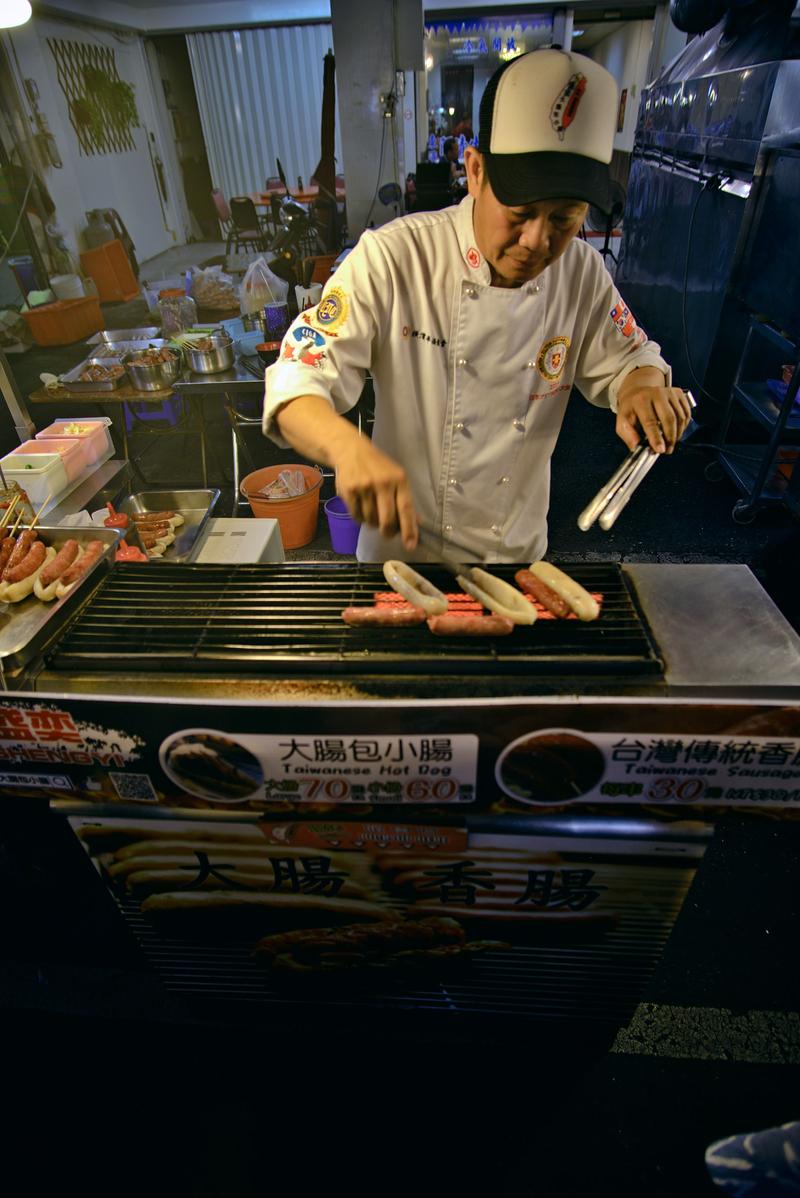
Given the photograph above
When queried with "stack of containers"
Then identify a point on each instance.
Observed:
(59, 456)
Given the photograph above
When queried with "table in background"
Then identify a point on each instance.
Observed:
(305, 196)
(233, 385)
(119, 401)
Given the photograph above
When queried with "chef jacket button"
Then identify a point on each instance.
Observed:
(496, 529)
(531, 365)
(452, 482)
(448, 528)
(461, 362)
(505, 479)
(536, 289)
(460, 426)
(519, 425)
(471, 292)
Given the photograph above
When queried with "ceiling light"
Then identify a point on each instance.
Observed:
(14, 12)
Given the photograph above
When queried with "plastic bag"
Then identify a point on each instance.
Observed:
(285, 486)
(211, 288)
(261, 286)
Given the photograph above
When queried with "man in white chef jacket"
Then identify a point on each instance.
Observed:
(476, 321)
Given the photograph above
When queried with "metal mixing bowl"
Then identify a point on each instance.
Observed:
(212, 360)
(158, 377)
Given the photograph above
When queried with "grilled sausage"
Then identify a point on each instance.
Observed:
(46, 584)
(24, 542)
(76, 571)
(386, 617)
(539, 590)
(581, 602)
(6, 549)
(471, 625)
(28, 570)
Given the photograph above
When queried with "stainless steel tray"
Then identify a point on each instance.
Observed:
(116, 349)
(72, 380)
(29, 627)
(109, 335)
(194, 506)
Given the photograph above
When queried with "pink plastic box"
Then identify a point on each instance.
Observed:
(72, 453)
(93, 434)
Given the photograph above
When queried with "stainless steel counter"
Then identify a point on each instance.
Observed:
(718, 629)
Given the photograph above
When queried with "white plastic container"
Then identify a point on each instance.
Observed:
(67, 286)
(150, 291)
(72, 454)
(93, 434)
(39, 474)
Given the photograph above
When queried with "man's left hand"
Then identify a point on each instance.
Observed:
(645, 405)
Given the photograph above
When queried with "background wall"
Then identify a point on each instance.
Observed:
(626, 55)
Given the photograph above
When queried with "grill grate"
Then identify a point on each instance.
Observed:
(596, 982)
(287, 616)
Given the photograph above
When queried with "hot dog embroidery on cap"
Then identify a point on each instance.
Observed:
(552, 358)
(562, 114)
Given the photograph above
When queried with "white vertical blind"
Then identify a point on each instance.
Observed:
(259, 92)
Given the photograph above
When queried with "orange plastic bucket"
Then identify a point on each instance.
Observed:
(297, 517)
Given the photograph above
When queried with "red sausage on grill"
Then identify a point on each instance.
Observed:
(533, 586)
(386, 617)
(60, 563)
(28, 565)
(470, 625)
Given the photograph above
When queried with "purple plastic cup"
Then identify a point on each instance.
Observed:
(343, 528)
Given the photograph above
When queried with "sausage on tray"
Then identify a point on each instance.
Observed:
(386, 617)
(21, 578)
(47, 583)
(6, 549)
(471, 625)
(538, 589)
(76, 571)
(24, 542)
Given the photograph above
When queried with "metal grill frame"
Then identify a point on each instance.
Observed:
(287, 618)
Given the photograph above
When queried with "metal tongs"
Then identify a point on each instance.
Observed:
(614, 496)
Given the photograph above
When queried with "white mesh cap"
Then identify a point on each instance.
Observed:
(547, 124)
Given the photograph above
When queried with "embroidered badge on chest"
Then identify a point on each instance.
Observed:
(473, 258)
(552, 357)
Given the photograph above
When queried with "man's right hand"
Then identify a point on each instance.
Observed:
(373, 485)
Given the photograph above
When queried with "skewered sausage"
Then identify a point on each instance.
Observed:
(387, 617)
(46, 584)
(27, 572)
(24, 542)
(6, 549)
(471, 625)
(539, 590)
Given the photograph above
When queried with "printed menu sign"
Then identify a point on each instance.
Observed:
(487, 757)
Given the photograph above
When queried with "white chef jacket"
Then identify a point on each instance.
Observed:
(471, 381)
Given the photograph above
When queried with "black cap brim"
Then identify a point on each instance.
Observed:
(547, 175)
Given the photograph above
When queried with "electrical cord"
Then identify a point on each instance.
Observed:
(711, 183)
(380, 169)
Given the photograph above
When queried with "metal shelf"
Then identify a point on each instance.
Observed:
(757, 399)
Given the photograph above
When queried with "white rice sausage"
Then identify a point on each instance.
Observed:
(500, 597)
(413, 587)
(579, 599)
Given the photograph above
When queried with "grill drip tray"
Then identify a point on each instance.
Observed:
(286, 619)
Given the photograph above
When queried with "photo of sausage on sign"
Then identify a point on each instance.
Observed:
(551, 767)
(210, 765)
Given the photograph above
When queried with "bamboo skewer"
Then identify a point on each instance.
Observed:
(36, 516)
(4, 519)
